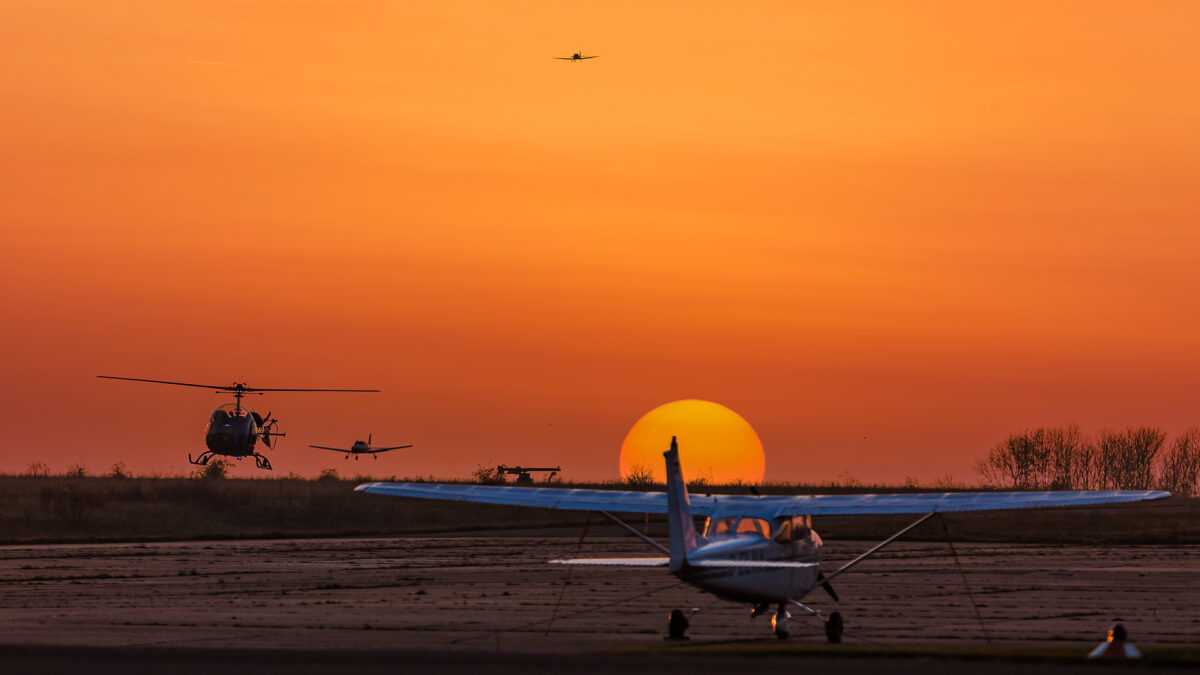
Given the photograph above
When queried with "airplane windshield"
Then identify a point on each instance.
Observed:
(749, 525)
(729, 526)
(792, 528)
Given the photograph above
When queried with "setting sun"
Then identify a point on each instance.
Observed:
(715, 443)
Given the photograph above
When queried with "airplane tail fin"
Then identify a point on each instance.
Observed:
(684, 538)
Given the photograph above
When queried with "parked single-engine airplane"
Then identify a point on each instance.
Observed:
(761, 551)
(577, 56)
(361, 448)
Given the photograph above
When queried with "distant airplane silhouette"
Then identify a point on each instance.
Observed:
(361, 448)
(577, 56)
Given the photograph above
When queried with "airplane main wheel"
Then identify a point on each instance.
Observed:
(779, 623)
(833, 628)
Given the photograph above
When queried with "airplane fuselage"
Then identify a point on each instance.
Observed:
(756, 585)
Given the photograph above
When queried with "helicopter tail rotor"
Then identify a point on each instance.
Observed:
(269, 430)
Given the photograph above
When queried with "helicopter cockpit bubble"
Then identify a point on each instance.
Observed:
(225, 416)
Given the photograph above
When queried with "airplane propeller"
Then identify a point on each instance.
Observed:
(827, 586)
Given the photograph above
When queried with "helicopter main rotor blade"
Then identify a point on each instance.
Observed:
(260, 389)
(180, 384)
(224, 387)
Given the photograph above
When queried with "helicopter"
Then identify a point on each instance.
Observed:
(233, 430)
(577, 56)
(361, 448)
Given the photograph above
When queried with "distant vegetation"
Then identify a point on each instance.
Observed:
(1064, 458)
(41, 508)
(106, 508)
(78, 506)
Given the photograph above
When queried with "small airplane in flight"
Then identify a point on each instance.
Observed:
(760, 551)
(577, 56)
(361, 448)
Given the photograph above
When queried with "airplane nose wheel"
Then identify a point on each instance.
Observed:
(677, 625)
(779, 623)
(833, 628)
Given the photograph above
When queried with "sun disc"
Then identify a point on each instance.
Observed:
(716, 444)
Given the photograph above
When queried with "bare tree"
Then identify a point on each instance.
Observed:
(1180, 471)
(1086, 470)
(1064, 456)
(1127, 457)
(1048, 458)
(1009, 463)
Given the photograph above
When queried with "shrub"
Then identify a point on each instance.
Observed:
(487, 475)
(216, 469)
(640, 476)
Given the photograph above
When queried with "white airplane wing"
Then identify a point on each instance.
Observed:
(762, 507)
(546, 498)
(947, 502)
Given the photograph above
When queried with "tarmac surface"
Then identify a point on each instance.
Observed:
(491, 602)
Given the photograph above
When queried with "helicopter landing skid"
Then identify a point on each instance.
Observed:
(202, 459)
(259, 460)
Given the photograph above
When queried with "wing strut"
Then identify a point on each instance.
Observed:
(885, 542)
(567, 579)
(963, 574)
(634, 532)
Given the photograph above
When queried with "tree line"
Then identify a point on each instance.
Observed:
(1065, 458)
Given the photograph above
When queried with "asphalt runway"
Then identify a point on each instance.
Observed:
(423, 601)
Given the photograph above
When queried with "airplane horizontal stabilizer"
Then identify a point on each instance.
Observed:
(620, 562)
(751, 563)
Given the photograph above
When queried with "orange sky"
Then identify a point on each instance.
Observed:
(885, 235)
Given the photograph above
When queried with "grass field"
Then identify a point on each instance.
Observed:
(57, 508)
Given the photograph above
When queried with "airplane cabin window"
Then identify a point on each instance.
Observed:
(753, 526)
(721, 527)
(783, 530)
(801, 527)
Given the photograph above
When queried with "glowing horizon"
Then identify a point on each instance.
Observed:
(887, 235)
